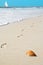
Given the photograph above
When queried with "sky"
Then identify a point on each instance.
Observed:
(20, 3)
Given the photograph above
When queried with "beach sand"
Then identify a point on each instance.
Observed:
(17, 38)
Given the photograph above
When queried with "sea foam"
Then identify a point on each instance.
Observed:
(10, 15)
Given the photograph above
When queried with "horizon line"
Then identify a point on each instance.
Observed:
(21, 7)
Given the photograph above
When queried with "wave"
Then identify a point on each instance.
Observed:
(10, 15)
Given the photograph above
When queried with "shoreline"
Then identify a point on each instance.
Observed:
(20, 20)
(18, 14)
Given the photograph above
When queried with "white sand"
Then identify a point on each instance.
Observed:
(20, 37)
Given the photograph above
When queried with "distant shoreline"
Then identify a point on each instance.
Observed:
(22, 7)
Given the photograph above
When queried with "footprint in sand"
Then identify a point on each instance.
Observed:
(22, 30)
(3, 45)
(32, 25)
(20, 35)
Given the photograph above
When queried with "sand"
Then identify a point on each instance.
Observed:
(20, 37)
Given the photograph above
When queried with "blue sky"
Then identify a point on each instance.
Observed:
(13, 3)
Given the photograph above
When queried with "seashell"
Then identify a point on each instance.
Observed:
(30, 53)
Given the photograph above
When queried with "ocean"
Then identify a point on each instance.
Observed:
(21, 3)
(10, 15)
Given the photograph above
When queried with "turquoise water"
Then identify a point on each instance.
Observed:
(21, 3)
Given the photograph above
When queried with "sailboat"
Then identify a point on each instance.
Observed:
(6, 4)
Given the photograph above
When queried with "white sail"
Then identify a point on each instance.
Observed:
(6, 4)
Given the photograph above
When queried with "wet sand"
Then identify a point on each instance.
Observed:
(20, 37)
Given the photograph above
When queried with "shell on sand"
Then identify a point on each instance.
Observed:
(30, 53)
